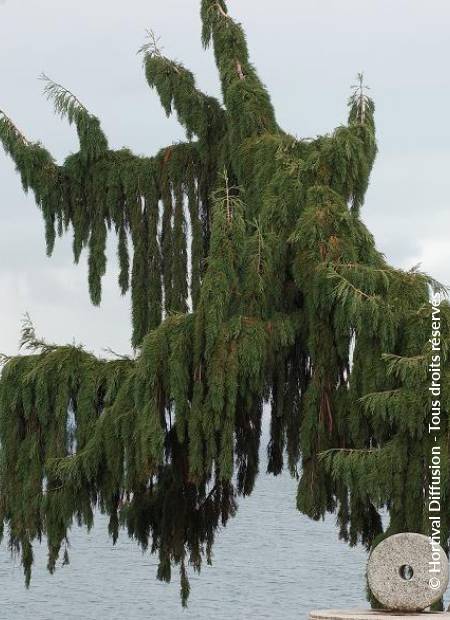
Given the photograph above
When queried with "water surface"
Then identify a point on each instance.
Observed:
(270, 562)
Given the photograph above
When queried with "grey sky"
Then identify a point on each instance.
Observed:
(307, 52)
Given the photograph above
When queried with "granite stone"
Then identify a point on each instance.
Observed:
(399, 572)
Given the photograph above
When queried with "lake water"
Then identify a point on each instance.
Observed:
(270, 562)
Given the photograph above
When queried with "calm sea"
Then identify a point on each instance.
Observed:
(270, 562)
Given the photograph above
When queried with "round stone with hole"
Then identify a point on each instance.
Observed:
(408, 572)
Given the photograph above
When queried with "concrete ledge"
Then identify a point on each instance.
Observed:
(367, 614)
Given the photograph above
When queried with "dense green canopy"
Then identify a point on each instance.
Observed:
(253, 280)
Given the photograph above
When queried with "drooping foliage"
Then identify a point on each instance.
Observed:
(253, 280)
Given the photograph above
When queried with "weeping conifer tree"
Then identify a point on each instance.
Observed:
(285, 301)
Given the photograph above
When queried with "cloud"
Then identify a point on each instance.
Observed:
(434, 257)
(307, 53)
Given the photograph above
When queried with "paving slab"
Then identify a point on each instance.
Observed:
(373, 614)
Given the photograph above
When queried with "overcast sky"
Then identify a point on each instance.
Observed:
(307, 52)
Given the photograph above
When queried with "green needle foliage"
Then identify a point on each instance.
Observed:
(253, 280)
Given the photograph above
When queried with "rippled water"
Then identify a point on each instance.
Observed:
(270, 562)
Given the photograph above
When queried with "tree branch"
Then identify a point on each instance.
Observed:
(239, 70)
(198, 113)
(60, 94)
(221, 11)
(14, 128)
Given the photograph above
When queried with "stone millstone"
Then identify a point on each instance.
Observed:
(399, 574)
(366, 614)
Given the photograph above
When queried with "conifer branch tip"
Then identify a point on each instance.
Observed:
(14, 128)
(65, 100)
(152, 47)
